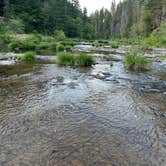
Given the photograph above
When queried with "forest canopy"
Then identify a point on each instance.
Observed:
(129, 18)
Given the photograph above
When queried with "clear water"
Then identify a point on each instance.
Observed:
(52, 115)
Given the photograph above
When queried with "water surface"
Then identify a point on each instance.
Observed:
(104, 116)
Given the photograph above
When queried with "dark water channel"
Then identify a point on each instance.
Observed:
(104, 116)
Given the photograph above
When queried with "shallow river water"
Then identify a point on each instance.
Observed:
(104, 116)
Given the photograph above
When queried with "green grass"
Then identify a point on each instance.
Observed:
(65, 59)
(114, 45)
(60, 47)
(84, 60)
(21, 46)
(81, 60)
(135, 62)
(161, 58)
(68, 48)
(29, 56)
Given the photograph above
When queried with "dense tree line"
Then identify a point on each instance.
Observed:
(46, 16)
(129, 18)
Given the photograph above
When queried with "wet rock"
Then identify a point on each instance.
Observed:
(7, 62)
(113, 57)
(112, 79)
(153, 90)
(84, 47)
(72, 85)
(160, 51)
(59, 80)
(46, 58)
(102, 75)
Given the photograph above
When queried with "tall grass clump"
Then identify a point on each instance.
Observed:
(135, 61)
(29, 56)
(81, 60)
(114, 45)
(65, 59)
(84, 60)
(60, 47)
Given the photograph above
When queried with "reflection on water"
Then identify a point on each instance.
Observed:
(51, 115)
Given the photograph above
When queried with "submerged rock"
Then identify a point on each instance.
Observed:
(72, 85)
(46, 58)
(7, 62)
(59, 80)
(85, 48)
(101, 75)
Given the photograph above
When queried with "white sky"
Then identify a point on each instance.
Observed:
(92, 5)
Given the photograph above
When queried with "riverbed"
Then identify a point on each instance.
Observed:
(65, 116)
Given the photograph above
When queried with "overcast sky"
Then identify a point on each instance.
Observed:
(92, 5)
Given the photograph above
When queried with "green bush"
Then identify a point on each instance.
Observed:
(29, 56)
(103, 42)
(158, 37)
(67, 43)
(134, 61)
(16, 26)
(60, 47)
(5, 39)
(68, 48)
(47, 48)
(28, 46)
(48, 39)
(15, 46)
(84, 60)
(66, 59)
(21, 46)
(114, 45)
(53, 46)
(59, 35)
(45, 52)
(42, 46)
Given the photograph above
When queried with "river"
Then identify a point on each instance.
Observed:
(64, 116)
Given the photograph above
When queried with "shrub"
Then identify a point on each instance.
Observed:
(5, 39)
(114, 45)
(60, 47)
(66, 59)
(47, 48)
(15, 46)
(84, 60)
(53, 46)
(97, 45)
(21, 46)
(59, 35)
(16, 26)
(158, 37)
(29, 56)
(47, 39)
(103, 42)
(136, 62)
(45, 52)
(28, 45)
(67, 43)
(68, 48)
(42, 46)
(3, 27)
